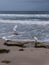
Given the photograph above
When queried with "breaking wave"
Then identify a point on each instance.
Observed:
(24, 16)
(25, 22)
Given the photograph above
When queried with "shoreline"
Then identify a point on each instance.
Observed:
(29, 56)
(38, 44)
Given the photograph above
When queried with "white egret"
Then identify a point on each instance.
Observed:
(14, 29)
(35, 38)
(4, 38)
(36, 41)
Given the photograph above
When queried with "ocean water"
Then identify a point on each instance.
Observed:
(26, 25)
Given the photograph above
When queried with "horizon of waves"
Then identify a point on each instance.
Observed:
(25, 18)
(42, 17)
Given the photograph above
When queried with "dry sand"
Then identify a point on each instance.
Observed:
(30, 56)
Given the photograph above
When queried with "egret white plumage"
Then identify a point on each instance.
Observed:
(35, 38)
(14, 29)
(4, 38)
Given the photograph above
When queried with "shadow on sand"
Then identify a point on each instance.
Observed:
(5, 61)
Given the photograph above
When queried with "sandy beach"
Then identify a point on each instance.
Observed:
(30, 56)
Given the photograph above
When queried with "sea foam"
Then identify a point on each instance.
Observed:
(25, 22)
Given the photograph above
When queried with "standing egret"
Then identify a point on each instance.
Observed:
(4, 38)
(36, 39)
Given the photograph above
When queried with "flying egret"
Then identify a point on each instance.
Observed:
(15, 33)
(14, 29)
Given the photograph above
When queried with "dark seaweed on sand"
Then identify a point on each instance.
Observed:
(4, 51)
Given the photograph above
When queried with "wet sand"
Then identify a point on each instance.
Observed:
(30, 56)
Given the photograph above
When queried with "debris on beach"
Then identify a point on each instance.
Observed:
(4, 51)
(5, 61)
